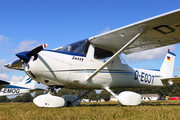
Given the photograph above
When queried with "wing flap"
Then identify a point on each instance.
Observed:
(163, 30)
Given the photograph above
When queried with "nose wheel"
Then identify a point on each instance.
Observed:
(52, 89)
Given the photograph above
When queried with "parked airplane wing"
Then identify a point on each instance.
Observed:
(162, 30)
(3, 84)
(15, 65)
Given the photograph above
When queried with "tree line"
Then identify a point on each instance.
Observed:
(173, 90)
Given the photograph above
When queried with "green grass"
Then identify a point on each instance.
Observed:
(155, 110)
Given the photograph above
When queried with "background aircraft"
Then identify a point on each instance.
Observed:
(84, 64)
(14, 88)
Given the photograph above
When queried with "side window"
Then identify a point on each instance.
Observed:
(102, 54)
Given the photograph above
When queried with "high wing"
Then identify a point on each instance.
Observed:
(161, 30)
(3, 84)
(158, 31)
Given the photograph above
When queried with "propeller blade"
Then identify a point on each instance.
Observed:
(25, 56)
(36, 50)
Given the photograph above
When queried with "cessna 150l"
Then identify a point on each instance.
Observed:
(14, 88)
(84, 64)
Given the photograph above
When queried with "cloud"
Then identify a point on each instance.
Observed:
(3, 38)
(106, 30)
(2, 68)
(149, 54)
(177, 69)
(16, 79)
(4, 76)
(26, 45)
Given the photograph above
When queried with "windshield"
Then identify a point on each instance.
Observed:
(78, 47)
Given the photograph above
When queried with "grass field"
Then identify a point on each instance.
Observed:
(156, 110)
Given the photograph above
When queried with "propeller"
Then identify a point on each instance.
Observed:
(36, 50)
(25, 56)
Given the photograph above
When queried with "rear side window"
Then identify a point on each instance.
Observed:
(102, 54)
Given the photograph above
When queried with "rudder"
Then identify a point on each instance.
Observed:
(27, 81)
(168, 65)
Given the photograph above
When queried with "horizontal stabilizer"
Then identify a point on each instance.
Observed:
(36, 89)
(168, 80)
(3, 84)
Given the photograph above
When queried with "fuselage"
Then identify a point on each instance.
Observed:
(72, 70)
(14, 89)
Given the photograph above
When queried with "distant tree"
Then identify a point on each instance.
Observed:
(81, 92)
(27, 98)
(4, 99)
(93, 96)
(117, 91)
(37, 93)
(17, 99)
(104, 95)
(65, 91)
(175, 92)
(24, 98)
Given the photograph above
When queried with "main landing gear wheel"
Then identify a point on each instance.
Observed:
(69, 104)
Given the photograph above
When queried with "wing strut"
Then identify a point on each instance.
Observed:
(82, 95)
(110, 91)
(117, 53)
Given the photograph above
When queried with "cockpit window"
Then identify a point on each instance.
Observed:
(78, 47)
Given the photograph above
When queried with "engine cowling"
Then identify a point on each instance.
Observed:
(129, 98)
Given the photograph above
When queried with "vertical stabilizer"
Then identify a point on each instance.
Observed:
(27, 81)
(168, 65)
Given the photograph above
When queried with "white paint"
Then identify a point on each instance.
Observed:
(49, 100)
(129, 98)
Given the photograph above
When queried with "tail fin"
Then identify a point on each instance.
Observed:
(27, 81)
(168, 65)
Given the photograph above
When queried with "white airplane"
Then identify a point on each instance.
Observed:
(84, 64)
(14, 88)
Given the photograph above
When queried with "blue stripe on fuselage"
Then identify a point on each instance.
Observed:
(66, 52)
(92, 71)
(12, 86)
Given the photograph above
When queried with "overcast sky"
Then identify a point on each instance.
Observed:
(25, 24)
